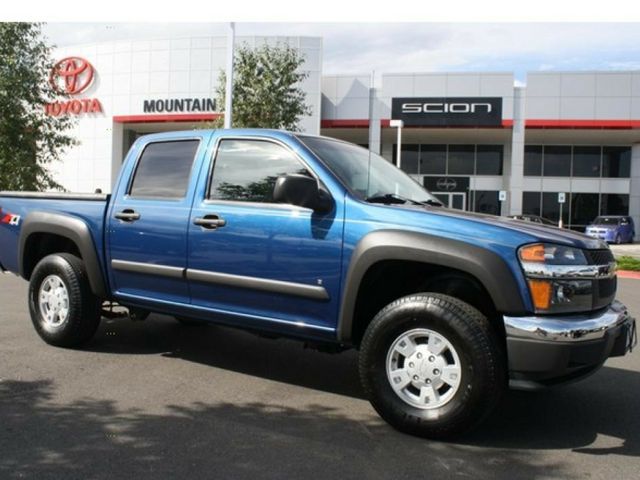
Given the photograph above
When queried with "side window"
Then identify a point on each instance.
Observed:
(164, 169)
(246, 170)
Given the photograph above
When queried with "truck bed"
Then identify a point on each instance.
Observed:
(16, 206)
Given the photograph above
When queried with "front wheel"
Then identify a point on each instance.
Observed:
(432, 366)
(63, 309)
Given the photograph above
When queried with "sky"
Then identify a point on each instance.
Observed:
(415, 47)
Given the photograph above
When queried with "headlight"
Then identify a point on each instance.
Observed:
(560, 278)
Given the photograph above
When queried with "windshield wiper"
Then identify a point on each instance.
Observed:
(394, 198)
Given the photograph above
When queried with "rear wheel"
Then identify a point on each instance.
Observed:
(63, 309)
(432, 365)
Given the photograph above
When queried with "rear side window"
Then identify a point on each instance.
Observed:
(164, 169)
(247, 170)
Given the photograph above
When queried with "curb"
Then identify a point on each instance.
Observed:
(628, 274)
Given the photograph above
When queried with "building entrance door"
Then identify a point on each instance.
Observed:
(456, 200)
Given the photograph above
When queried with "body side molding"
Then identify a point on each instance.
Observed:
(69, 227)
(487, 267)
(147, 268)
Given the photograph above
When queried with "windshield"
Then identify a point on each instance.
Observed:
(366, 174)
(606, 221)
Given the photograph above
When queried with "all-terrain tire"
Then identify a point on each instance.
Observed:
(67, 273)
(472, 341)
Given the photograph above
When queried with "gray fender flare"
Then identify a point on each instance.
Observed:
(487, 267)
(69, 227)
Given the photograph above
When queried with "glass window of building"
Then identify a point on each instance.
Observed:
(489, 159)
(551, 208)
(531, 203)
(556, 161)
(433, 159)
(409, 159)
(533, 160)
(586, 161)
(461, 159)
(486, 201)
(616, 162)
(584, 208)
(614, 204)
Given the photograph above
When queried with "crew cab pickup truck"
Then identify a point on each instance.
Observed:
(320, 240)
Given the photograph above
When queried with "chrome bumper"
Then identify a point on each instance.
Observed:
(544, 351)
(576, 328)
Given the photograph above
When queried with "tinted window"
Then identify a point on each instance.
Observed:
(461, 159)
(584, 208)
(410, 158)
(531, 203)
(616, 162)
(489, 160)
(614, 204)
(551, 208)
(486, 201)
(246, 170)
(533, 160)
(433, 159)
(164, 169)
(557, 161)
(586, 161)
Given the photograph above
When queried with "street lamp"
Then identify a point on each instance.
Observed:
(398, 124)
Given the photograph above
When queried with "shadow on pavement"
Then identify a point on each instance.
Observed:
(569, 417)
(42, 438)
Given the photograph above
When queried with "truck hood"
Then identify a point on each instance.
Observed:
(541, 233)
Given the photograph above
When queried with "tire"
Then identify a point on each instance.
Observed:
(55, 277)
(618, 239)
(469, 342)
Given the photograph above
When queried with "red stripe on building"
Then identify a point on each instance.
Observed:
(190, 117)
(582, 124)
(384, 123)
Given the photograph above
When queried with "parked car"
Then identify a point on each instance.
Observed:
(321, 240)
(612, 228)
(535, 219)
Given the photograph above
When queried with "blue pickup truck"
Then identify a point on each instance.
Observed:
(320, 240)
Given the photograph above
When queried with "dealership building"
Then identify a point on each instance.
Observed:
(479, 141)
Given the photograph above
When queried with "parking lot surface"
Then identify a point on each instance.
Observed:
(156, 399)
(629, 249)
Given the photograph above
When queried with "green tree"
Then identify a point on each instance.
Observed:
(266, 88)
(29, 139)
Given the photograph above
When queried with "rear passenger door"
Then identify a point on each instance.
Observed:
(148, 221)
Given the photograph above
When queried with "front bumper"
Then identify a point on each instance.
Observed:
(545, 351)
(607, 235)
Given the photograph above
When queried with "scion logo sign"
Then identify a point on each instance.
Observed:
(448, 111)
(72, 76)
(446, 184)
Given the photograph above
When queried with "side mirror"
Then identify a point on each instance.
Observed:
(303, 191)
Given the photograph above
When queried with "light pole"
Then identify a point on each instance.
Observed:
(398, 124)
(228, 113)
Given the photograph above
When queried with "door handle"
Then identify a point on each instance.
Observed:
(127, 215)
(210, 222)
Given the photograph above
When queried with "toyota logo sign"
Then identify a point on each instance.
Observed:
(71, 75)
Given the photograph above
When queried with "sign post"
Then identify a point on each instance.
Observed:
(561, 200)
(502, 197)
(398, 124)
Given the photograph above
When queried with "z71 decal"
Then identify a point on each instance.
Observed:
(9, 218)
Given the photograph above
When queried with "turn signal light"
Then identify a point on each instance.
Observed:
(532, 253)
(540, 293)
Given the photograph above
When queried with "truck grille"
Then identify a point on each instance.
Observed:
(599, 257)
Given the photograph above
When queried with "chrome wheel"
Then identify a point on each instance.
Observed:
(53, 300)
(423, 368)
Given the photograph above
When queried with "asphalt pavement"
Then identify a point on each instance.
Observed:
(156, 399)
